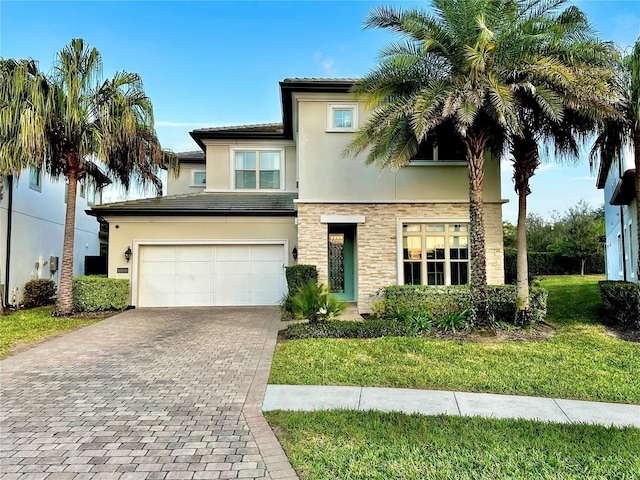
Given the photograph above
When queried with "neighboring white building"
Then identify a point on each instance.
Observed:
(621, 247)
(32, 214)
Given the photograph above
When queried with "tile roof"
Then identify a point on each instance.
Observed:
(259, 127)
(278, 204)
(196, 156)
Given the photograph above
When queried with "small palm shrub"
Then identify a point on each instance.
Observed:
(314, 303)
(451, 322)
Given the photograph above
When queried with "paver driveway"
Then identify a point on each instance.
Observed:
(150, 393)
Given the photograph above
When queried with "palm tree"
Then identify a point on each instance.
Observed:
(575, 102)
(616, 134)
(71, 121)
(459, 68)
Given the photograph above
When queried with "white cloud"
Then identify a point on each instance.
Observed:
(327, 64)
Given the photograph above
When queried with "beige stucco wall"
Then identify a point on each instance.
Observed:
(326, 175)
(219, 162)
(182, 183)
(377, 243)
(130, 231)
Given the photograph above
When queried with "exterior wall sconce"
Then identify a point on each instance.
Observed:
(127, 254)
(294, 253)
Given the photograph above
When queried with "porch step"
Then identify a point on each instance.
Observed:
(350, 313)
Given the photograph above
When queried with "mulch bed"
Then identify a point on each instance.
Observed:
(628, 334)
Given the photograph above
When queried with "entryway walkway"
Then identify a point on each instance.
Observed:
(171, 393)
(435, 402)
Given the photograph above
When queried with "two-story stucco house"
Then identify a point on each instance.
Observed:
(32, 214)
(621, 247)
(259, 197)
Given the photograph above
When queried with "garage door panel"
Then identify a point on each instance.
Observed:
(193, 283)
(161, 253)
(267, 253)
(209, 275)
(195, 268)
(195, 253)
(232, 267)
(234, 252)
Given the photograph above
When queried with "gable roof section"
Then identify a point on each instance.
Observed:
(191, 157)
(276, 131)
(204, 204)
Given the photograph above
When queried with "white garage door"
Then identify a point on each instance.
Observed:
(210, 275)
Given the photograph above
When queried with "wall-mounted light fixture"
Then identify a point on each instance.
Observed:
(294, 253)
(127, 254)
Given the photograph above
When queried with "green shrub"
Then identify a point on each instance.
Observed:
(93, 294)
(350, 329)
(621, 303)
(297, 276)
(315, 303)
(438, 301)
(38, 293)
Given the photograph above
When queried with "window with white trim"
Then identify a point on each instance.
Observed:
(198, 178)
(342, 117)
(620, 256)
(35, 179)
(447, 147)
(83, 188)
(258, 169)
(435, 253)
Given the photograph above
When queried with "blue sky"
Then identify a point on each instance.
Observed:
(212, 63)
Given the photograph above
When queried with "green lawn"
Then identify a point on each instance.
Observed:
(25, 328)
(373, 445)
(580, 362)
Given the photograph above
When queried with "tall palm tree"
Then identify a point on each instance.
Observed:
(577, 98)
(461, 68)
(616, 134)
(71, 121)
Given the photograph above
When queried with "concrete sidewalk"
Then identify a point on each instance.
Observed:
(435, 402)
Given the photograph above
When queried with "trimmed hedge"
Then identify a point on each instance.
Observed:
(38, 293)
(350, 329)
(550, 263)
(297, 276)
(94, 294)
(621, 303)
(438, 301)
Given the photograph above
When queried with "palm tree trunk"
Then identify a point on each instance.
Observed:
(64, 305)
(522, 262)
(478, 257)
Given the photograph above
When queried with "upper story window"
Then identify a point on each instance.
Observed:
(198, 178)
(91, 194)
(435, 254)
(83, 188)
(342, 117)
(447, 148)
(258, 169)
(35, 179)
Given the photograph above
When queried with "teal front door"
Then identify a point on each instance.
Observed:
(342, 261)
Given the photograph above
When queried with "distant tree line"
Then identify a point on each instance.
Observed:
(569, 243)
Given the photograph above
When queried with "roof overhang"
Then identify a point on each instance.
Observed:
(625, 190)
(288, 87)
(199, 136)
(190, 213)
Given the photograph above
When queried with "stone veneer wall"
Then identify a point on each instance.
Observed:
(376, 249)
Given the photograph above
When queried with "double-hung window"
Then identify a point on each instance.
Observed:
(258, 169)
(435, 253)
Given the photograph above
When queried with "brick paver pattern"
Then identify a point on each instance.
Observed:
(147, 394)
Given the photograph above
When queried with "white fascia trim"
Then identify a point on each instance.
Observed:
(342, 219)
(275, 143)
(386, 202)
(140, 243)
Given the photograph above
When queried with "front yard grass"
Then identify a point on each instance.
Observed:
(580, 362)
(25, 328)
(374, 445)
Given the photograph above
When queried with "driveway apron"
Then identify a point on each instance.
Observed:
(149, 394)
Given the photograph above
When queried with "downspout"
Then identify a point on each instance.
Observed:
(624, 246)
(5, 298)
